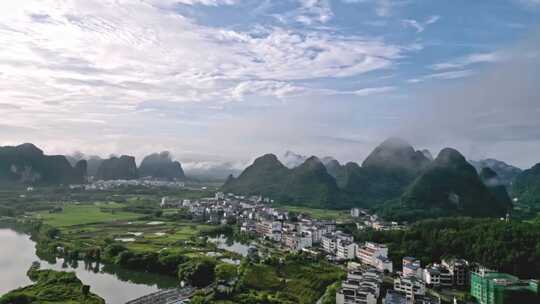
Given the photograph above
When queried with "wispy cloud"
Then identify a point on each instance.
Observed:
(469, 60)
(443, 75)
(382, 8)
(420, 26)
(373, 91)
(312, 11)
(106, 51)
(168, 3)
(139, 76)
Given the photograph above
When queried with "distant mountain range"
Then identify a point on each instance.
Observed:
(306, 184)
(27, 164)
(395, 178)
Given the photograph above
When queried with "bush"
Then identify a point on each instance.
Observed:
(198, 272)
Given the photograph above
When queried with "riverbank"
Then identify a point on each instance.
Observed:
(52, 287)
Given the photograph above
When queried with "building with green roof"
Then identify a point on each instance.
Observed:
(489, 287)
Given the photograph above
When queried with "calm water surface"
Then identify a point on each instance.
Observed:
(115, 285)
(228, 244)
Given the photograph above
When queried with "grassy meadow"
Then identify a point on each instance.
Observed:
(72, 215)
(323, 214)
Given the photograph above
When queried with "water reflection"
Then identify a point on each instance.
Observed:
(114, 284)
(231, 245)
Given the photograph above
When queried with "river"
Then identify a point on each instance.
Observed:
(115, 285)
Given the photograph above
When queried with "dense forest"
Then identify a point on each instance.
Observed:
(509, 247)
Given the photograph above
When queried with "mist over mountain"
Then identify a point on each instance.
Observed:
(27, 164)
(93, 162)
(427, 154)
(395, 178)
(395, 153)
(161, 166)
(290, 159)
(213, 171)
(505, 173)
(496, 186)
(385, 173)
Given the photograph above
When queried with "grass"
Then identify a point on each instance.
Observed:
(90, 225)
(262, 277)
(322, 214)
(301, 281)
(86, 214)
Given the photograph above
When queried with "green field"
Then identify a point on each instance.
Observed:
(86, 214)
(90, 225)
(299, 280)
(323, 214)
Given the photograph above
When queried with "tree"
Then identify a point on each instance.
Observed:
(199, 272)
(226, 272)
(85, 290)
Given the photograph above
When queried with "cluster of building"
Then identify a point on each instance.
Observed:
(363, 286)
(104, 185)
(342, 247)
(369, 260)
(410, 285)
(221, 208)
(367, 220)
(413, 280)
(295, 234)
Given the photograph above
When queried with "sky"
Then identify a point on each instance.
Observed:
(228, 80)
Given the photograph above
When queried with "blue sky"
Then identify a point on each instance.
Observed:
(220, 80)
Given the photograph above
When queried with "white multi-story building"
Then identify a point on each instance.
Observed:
(437, 275)
(375, 255)
(345, 250)
(360, 288)
(410, 286)
(269, 229)
(355, 212)
(384, 264)
(459, 268)
(412, 267)
(330, 241)
(316, 234)
(297, 241)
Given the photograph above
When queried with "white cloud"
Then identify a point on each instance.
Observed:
(443, 75)
(312, 11)
(168, 3)
(373, 91)
(420, 26)
(468, 60)
(383, 8)
(276, 89)
(128, 52)
(107, 57)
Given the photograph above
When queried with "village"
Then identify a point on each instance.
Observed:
(371, 275)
